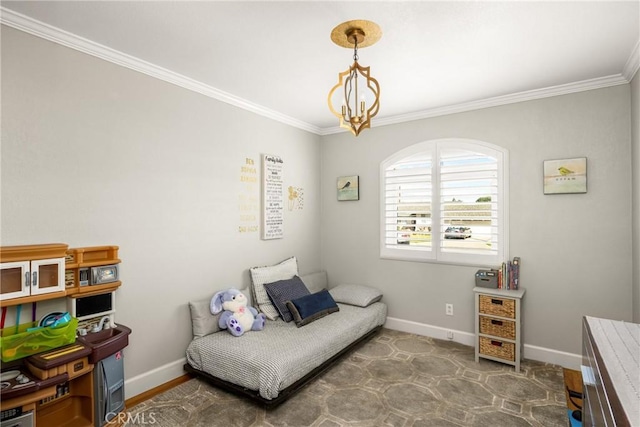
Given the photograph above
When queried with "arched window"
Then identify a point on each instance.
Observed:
(445, 201)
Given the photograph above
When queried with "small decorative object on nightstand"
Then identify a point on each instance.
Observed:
(498, 322)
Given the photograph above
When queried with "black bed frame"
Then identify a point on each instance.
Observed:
(287, 392)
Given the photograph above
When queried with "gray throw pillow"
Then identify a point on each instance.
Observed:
(358, 295)
(285, 290)
(202, 321)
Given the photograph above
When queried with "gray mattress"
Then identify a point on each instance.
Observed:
(271, 360)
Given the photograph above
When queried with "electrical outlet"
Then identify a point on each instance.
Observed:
(450, 335)
(448, 309)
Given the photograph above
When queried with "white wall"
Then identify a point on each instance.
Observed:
(575, 249)
(95, 154)
(635, 142)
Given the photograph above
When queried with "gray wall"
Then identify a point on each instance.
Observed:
(635, 144)
(94, 154)
(575, 249)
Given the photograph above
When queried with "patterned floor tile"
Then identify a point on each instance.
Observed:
(396, 379)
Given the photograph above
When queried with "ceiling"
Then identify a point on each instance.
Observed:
(277, 58)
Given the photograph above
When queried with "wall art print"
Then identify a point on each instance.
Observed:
(348, 188)
(272, 197)
(249, 197)
(296, 198)
(565, 176)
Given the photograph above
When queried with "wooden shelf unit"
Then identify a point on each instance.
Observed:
(498, 319)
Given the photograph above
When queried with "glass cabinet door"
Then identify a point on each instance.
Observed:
(47, 275)
(13, 279)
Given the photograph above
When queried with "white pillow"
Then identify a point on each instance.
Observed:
(358, 295)
(269, 274)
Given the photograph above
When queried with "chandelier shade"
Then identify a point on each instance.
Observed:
(355, 99)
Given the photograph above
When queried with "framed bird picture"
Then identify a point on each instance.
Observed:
(565, 176)
(348, 188)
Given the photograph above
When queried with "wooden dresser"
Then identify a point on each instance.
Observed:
(610, 373)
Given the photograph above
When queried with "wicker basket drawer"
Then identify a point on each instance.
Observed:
(498, 328)
(496, 348)
(496, 306)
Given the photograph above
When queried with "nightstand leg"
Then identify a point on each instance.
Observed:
(477, 301)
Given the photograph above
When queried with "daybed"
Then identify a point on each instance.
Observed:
(269, 365)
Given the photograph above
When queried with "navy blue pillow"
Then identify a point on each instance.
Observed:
(312, 307)
(285, 290)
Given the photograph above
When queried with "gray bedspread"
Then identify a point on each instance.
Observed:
(271, 360)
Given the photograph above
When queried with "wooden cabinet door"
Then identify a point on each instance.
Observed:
(15, 279)
(47, 275)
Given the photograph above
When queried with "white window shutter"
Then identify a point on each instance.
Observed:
(445, 201)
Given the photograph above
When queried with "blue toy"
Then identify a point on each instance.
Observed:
(237, 317)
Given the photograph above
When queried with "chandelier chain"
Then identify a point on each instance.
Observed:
(355, 49)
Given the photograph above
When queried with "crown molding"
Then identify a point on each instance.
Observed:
(633, 63)
(529, 95)
(73, 41)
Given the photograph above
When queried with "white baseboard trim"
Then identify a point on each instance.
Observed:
(549, 355)
(153, 378)
(541, 354)
(425, 330)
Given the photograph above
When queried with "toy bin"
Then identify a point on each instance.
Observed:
(17, 342)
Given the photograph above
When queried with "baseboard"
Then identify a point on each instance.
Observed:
(549, 355)
(153, 378)
(152, 392)
(532, 352)
(425, 330)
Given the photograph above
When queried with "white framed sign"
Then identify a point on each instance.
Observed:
(272, 197)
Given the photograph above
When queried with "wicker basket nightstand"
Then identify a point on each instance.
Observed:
(498, 322)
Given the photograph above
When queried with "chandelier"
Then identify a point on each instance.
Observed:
(357, 88)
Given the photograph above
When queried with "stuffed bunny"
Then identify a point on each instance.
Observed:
(237, 317)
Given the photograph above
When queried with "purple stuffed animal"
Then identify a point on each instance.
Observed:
(237, 317)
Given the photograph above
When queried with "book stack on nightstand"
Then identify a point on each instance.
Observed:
(498, 321)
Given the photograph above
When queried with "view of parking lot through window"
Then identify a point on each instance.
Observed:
(464, 225)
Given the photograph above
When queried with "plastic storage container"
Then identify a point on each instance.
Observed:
(17, 342)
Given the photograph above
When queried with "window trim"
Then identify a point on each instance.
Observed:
(436, 255)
